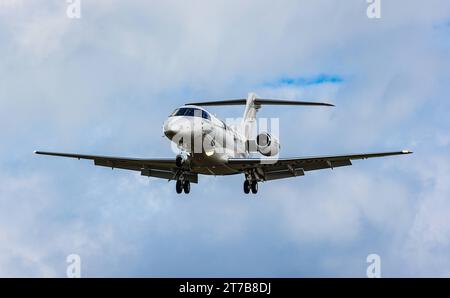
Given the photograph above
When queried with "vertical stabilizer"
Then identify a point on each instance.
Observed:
(249, 119)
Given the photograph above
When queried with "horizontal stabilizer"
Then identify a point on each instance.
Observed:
(260, 102)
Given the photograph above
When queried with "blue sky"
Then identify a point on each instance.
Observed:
(105, 83)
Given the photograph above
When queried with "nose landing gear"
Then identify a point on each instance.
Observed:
(179, 187)
(187, 187)
(183, 186)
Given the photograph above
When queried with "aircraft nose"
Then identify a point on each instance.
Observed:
(173, 127)
(170, 130)
(169, 133)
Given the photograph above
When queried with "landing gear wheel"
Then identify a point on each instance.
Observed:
(254, 187)
(179, 187)
(246, 187)
(187, 187)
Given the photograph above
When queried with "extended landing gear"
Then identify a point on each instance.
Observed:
(253, 186)
(183, 185)
(187, 187)
(179, 187)
(246, 187)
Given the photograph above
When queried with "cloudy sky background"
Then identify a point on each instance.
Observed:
(105, 83)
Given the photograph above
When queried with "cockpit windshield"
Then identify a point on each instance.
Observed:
(191, 112)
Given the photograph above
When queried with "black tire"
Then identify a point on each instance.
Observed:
(246, 187)
(179, 187)
(255, 187)
(187, 187)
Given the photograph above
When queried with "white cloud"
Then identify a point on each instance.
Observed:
(105, 83)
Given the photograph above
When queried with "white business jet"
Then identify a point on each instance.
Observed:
(208, 146)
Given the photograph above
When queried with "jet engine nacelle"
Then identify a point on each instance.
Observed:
(267, 145)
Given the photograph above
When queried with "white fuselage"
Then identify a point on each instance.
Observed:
(206, 141)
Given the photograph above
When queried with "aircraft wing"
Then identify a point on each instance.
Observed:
(158, 167)
(278, 168)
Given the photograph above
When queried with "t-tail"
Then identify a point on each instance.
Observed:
(252, 105)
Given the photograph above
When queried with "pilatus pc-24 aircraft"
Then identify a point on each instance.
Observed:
(224, 149)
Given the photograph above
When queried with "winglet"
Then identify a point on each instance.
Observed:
(406, 152)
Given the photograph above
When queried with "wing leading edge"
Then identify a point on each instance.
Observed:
(264, 168)
(273, 168)
(157, 167)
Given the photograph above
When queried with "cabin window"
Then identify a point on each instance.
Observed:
(205, 115)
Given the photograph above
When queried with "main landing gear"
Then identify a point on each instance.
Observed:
(183, 186)
(250, 186)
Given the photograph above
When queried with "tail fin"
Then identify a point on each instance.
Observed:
(248, 123)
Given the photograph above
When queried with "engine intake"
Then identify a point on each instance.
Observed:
(267, 145)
